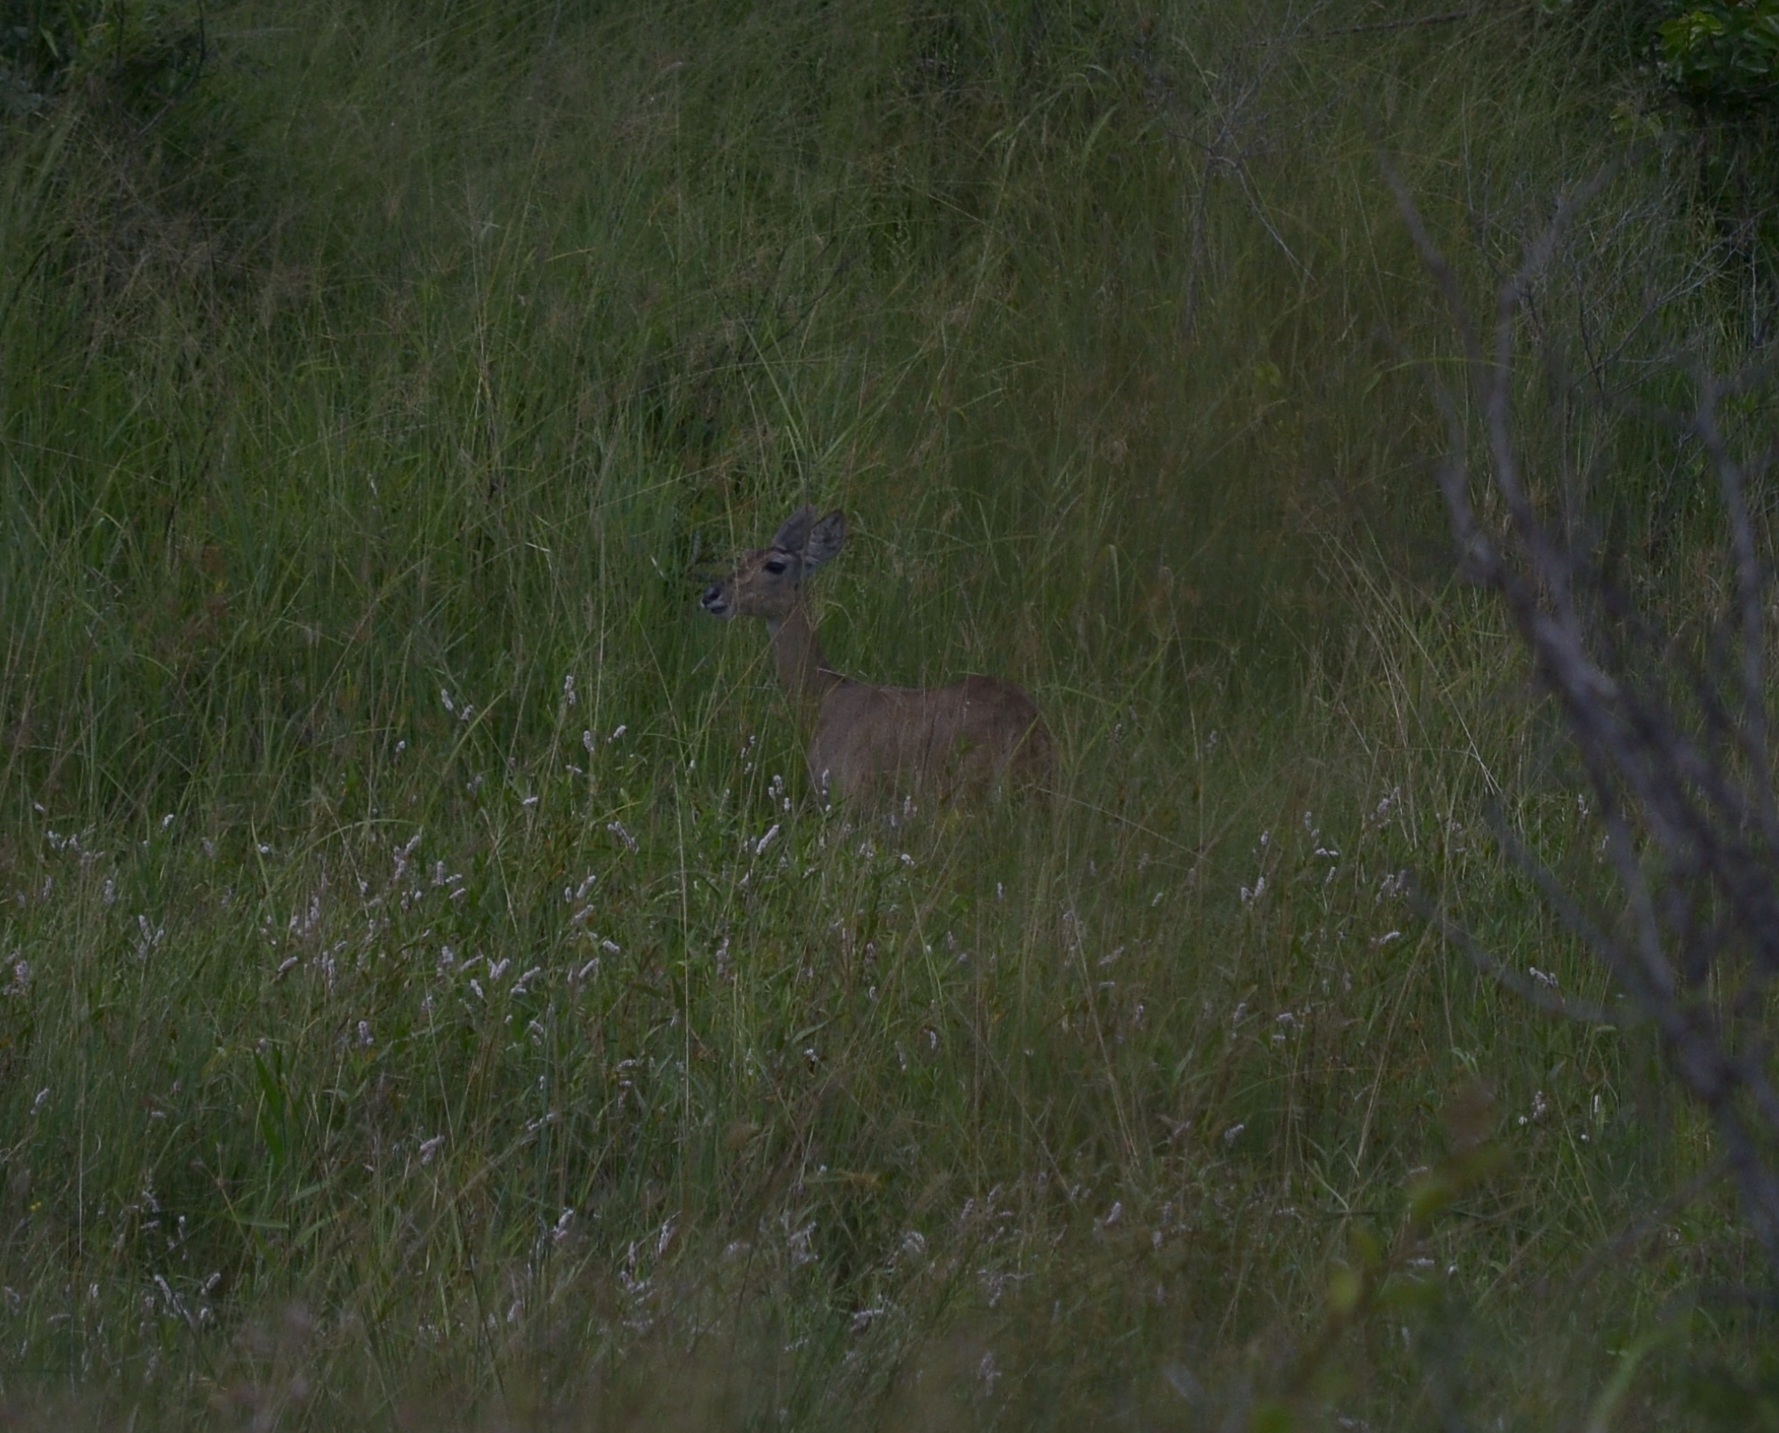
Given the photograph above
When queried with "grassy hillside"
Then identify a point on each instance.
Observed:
(432, 995)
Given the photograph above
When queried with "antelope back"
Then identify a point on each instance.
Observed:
(888, 741)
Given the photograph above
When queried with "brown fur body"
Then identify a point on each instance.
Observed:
(866, 741)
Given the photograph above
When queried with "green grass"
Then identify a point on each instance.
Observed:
(434, 994)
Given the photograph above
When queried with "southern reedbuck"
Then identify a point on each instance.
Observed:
(868, 741)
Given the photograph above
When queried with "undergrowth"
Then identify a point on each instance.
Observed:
(432, 993)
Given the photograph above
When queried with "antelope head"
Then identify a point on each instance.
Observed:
(768, 581)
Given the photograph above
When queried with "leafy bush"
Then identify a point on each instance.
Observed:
(137, 55)
(1724, 53)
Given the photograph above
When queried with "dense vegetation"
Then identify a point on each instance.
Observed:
(432, 996)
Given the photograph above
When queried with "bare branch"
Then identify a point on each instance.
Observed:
(1676, 750)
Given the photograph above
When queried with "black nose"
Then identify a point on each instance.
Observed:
(711, 594)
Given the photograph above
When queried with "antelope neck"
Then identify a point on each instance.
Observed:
(803, 667)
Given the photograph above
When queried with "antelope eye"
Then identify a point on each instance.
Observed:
(775, 566)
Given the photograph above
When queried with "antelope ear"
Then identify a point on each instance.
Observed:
(826, 539)
(794, 532)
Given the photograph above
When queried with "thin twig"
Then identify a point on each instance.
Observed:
(1419, 22)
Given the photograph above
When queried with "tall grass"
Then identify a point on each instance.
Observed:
(433, 993)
